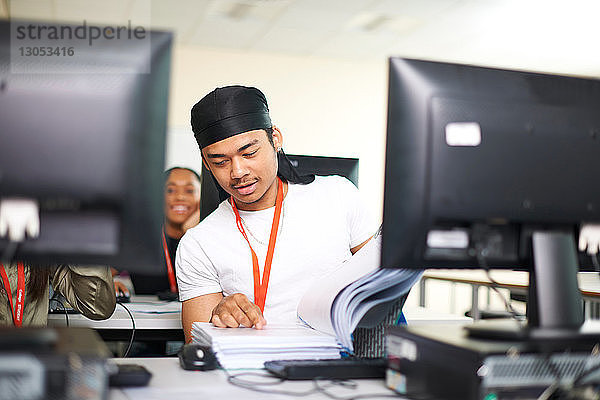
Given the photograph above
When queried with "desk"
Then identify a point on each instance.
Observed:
(148, 326)
(426, 316)
(169, 381)
(515, 281)
(167, 326)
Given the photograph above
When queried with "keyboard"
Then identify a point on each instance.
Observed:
(343, 368)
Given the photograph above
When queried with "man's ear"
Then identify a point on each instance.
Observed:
(277, 138)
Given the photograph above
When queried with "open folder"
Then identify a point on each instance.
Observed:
(357, 293)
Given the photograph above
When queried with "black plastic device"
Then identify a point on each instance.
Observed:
(130, 375)
(343, 368)
(197, 357)
(123, 298)
(167, 295)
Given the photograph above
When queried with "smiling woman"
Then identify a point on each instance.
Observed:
(182, 201)
(182, 211)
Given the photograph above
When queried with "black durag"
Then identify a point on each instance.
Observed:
(231, 110)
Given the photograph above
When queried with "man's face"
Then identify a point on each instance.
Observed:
(182, 196)
(245, 166)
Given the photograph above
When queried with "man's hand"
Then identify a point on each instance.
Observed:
(121, 288)
(236, 310)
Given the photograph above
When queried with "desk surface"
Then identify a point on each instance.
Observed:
(169, 316)
(422, 316)
(589, 282)
(148, 313)
(169, 381)
(159, 320)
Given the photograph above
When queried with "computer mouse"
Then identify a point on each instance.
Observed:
(124, 375)
(122, 297)
(198, 357)
(168, 296)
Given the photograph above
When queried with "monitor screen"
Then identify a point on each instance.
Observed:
(318, 165)
(85, 139)
(481, 161)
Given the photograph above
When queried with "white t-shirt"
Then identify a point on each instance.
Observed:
(320, 223)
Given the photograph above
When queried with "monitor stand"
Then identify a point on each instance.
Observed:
(555, 304)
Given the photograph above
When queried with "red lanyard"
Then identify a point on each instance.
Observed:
(170, 270)
(260, 288)
(18, 310)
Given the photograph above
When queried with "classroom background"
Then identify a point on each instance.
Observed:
(323, 64)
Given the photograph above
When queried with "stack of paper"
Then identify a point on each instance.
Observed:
(250, 348)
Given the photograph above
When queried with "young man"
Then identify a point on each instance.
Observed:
(254, 257)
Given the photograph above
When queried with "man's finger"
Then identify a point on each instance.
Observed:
(254, 315)
(229, 320)
(120, 287)
(242, 318)
(261, 323)
(216, 321)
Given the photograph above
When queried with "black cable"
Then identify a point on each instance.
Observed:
(479, 253)
(236, 380)
(132, 331)
(54, 288)
(63, 309)
(58, 291)
(353, 385)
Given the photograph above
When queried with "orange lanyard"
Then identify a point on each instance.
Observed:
(18, 310)
(260, 288)
(170, 270)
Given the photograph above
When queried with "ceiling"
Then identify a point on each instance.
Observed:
(542, 35)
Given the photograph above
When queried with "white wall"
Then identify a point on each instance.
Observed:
(325, 107)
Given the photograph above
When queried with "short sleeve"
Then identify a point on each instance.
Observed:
(196, 275)
(360, 221)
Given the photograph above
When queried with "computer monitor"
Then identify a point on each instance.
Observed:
(318, 165)
(85, 141)
(493, 168)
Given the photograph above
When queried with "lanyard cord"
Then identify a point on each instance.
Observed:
(170, 270)
(260, 287)
(20, 300)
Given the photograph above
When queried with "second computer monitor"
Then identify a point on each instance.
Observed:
(318, 165)
(488, 155)
(494, 168)
(84, 140)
